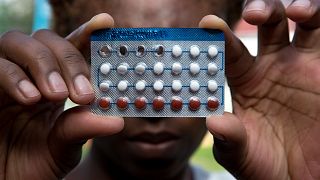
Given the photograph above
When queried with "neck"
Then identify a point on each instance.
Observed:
(96, 166)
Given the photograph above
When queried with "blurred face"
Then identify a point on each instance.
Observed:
(148, 146)
(152, 146)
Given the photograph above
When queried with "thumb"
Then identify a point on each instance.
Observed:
(238, 58)
(230, 141)
(80, 38)
(72, 129)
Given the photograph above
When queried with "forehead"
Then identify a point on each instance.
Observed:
(148, 13)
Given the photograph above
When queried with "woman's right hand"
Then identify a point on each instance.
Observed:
(38, 140)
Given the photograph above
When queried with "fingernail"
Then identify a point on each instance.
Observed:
(56, 83)
(301, 3)
(82, 85)
(258, 5)
(28, 89)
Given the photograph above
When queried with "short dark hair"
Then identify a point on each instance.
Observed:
(62, 24)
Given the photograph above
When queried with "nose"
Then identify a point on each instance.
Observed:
(154, 120)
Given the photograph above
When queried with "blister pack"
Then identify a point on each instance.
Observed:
(158, 72)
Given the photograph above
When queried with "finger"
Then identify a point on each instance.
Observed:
(38, 61)
(73, 128)
(270, 16)
(238, 59)
(72, 64)
(16, 83)
(306, 14)
(80, 38)
(230, 141)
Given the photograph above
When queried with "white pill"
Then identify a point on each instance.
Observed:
(194, 68)
(194, 51)
(123, 85)
(140, 68)
(123, 68)
(176, 85)
(158, 68)
(105, 86)
(176, 68)
(212, 86)
(212, 51)
(212, 69)
(194, 86)
(141, 85)
(105, 68)
(158, 86)
(176, 51)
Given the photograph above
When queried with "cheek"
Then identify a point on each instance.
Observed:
(191, 128)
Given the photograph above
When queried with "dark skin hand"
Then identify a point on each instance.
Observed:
(273, 131)
(37, 73)
(271, 134)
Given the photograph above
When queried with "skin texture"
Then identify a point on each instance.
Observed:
(272, 133)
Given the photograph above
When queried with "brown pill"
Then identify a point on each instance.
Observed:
(176, 103)
(213, 103)
(194, 103)
(158, 103)
(140, 103)
(122, 103)
(105, 103)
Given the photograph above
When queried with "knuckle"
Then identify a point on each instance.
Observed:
(6, 37)
(41, 33)
(72, 57)
(9, 34)
(11, 71)
(43, 56)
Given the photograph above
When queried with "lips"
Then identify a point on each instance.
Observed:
(153, 138)
(153, 145)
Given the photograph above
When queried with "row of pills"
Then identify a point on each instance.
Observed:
(158, 68)
(158, 86)
(159, 50)
(158, 103)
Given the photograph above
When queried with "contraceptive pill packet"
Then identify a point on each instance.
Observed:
(158, 72)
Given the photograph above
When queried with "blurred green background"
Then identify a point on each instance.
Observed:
(18, 14)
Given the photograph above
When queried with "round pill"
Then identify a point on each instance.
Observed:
(176, 68)
(105, 103)
(176, 103)
(176, 85)
(105, 86)
(140, 85)
(176, 51)
(158, 86)
(105, 68)
(213, 103)
(123, 51)
(159, 50)
(140, 103)
(212, 51)
(194, 103)
(194, 68)
(123, 68)
(105, 51)
(141, 51)
(194, 51)
(158, 68)
(212, 86)
(122, 103)
(140, 68)
(158, 103)
(194, 86)
(212, 69)
(123, 85)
